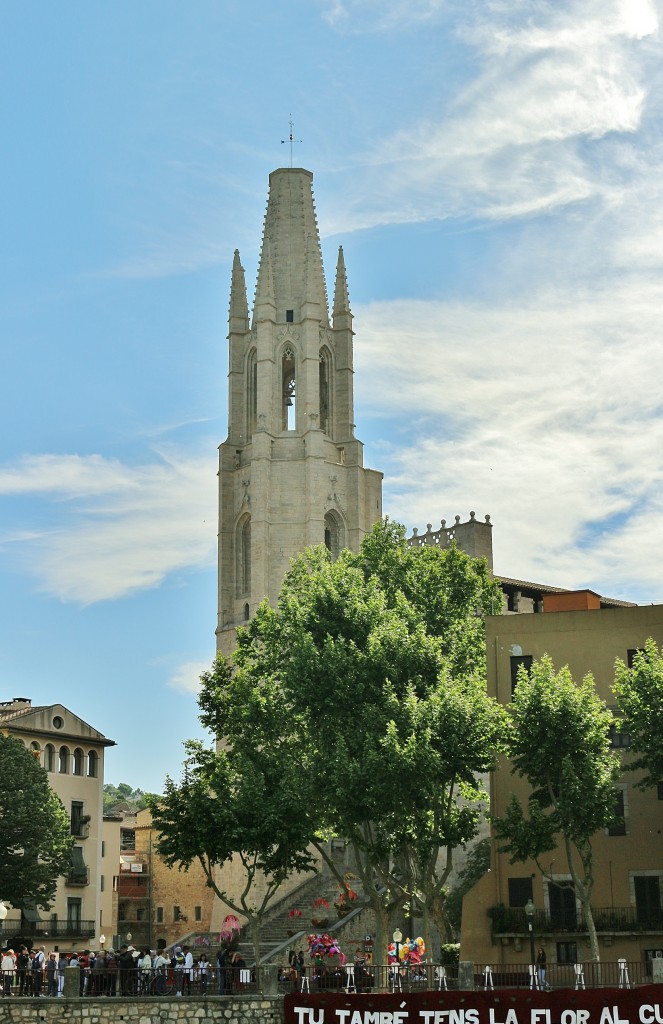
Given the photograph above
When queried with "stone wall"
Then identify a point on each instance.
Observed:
(219, 1010)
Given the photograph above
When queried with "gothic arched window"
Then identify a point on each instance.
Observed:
(244, 556)
(251, 393)
(325, 390)
(288, 391)
(334, 534)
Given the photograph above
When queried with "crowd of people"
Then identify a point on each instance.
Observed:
(127, 972)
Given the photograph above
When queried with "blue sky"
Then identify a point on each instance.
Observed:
(493, 171)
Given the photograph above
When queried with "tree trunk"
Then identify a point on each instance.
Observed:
(254, 921)
(382, 936)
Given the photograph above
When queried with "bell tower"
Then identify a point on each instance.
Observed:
(291, 471)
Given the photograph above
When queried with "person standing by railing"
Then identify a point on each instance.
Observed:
(37, 970)
(203, 971)
(8, 965)
(541, 968)
(160, 967)
(51, 976)
(62, 963)
(145, 968)
(22, 968)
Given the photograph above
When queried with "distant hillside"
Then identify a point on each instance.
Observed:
(123, 798)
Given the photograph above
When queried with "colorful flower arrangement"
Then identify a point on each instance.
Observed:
(294, 913)
(345, 900)
(410, 951)
(323, 946)
(229, 927)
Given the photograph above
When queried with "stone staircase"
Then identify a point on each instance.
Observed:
(279, 932)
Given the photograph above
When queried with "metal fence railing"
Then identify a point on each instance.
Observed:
(607, 974)
(514, 921)
(357, 977)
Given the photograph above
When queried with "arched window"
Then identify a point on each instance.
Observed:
(288, 391)
(36, 750)
(63, 761)
(49, 757)
(247, 612)
(251, 393)
(92, 764)
(325, 390)
(243, 560)
(334, 534)
(79, 757)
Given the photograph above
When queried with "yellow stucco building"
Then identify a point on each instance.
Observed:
(626, 900)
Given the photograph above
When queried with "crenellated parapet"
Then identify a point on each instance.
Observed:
(474, 537)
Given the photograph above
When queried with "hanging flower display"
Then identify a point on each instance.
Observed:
(345, 901)
(320, 914)
(229, 927)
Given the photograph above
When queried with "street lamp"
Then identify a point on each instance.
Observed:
(529, 910)
(129, 938)
(3, 913)
(102, 940)
(398, 938)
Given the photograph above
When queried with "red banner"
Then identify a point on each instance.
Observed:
(643, 1005)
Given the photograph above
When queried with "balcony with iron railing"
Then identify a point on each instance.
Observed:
(78, 877)
(513, 921)
(49, 929)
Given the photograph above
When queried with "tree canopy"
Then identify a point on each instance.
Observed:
(639, 693)
(243, 799)
(357, 708)
(377, 664)
(559, 742)
(123, 793)
(35, 839)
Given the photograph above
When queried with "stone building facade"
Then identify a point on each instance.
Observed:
(291, 470)
(72, 752)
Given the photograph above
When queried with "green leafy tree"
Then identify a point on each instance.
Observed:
(639, 693)
(35, 835)
(244, 799)
(378, 661)
(560, 745)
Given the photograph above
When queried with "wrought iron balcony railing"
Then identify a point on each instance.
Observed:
(513, 920)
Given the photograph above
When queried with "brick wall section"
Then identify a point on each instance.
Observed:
(247, 1010)
(173, 887)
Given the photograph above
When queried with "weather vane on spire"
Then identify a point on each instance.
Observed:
(283, 141)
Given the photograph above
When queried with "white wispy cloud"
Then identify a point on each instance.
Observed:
(546, 415)
(103, 529)
(186, 678)
(530, 132)
(359, 16)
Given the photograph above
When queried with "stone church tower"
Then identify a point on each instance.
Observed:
(291, 470)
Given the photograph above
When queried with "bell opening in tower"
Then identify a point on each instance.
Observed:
(289, 391)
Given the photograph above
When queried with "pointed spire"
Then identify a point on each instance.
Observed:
(341, 295)
(291, 255)
(239, 307)
(342, 316)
